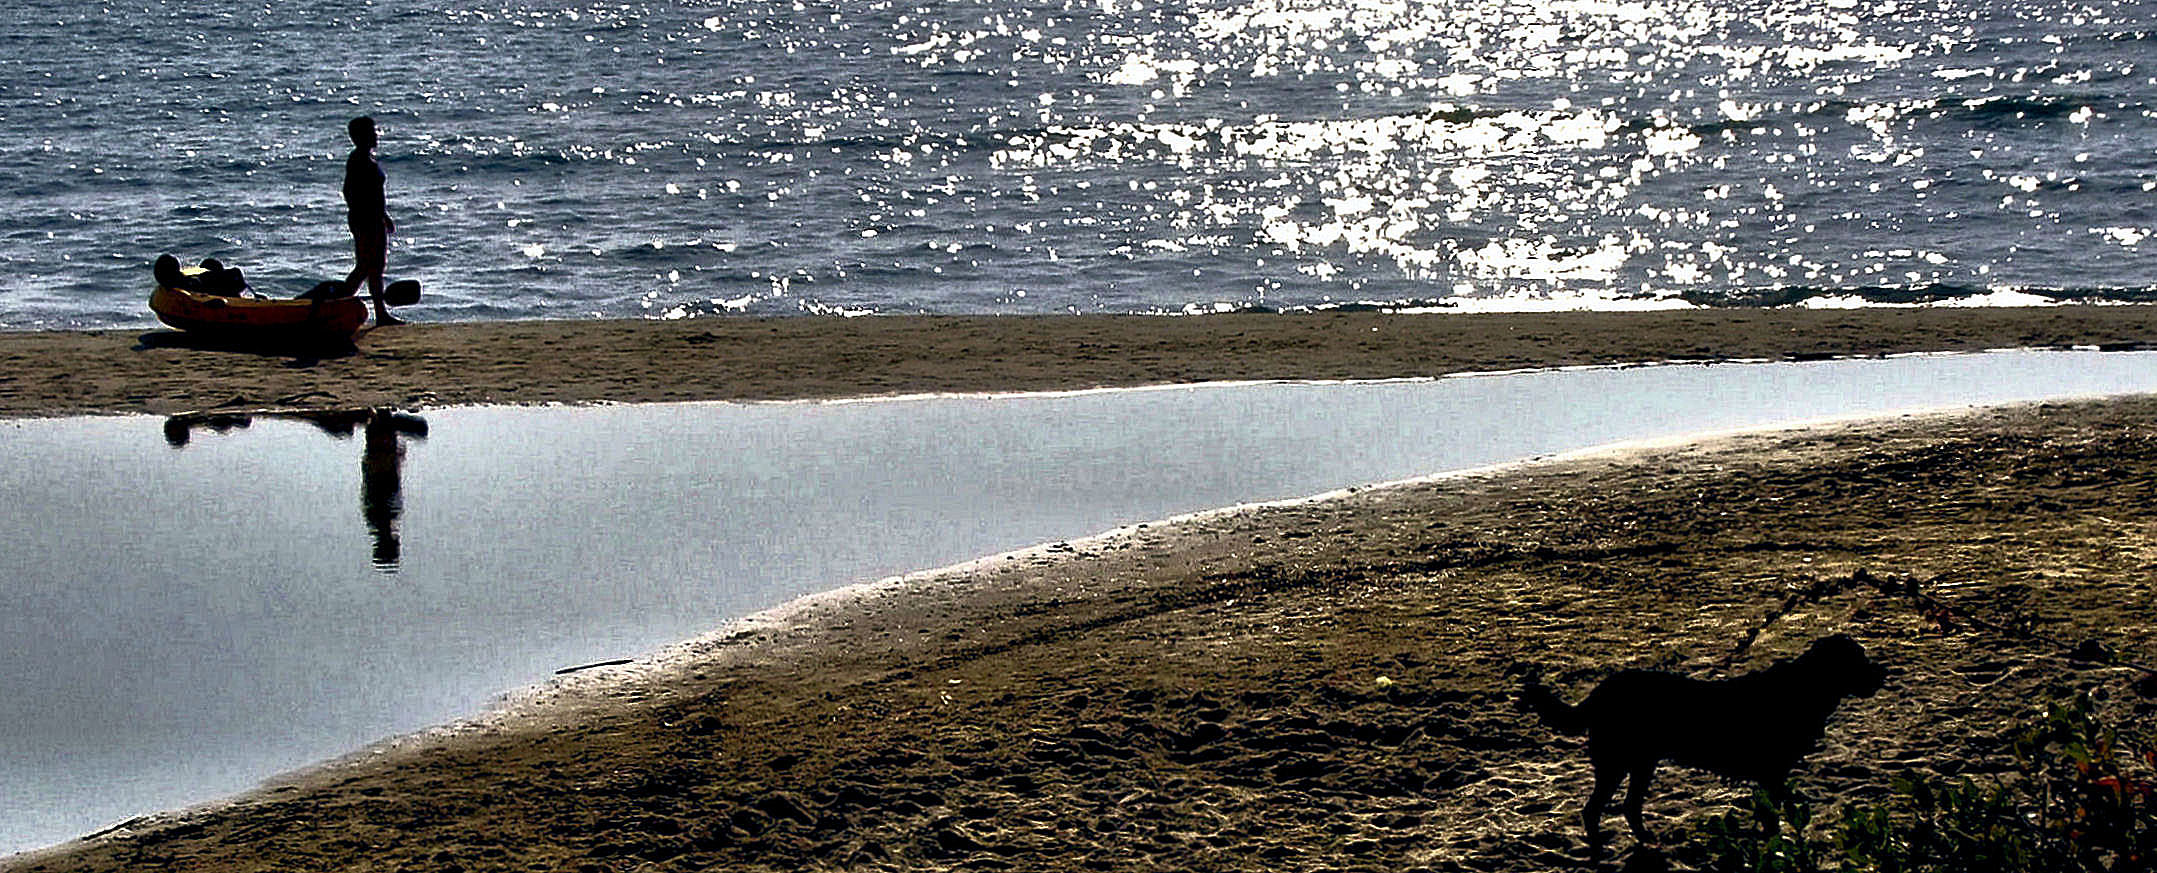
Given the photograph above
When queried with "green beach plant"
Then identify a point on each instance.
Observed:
(2082, 796)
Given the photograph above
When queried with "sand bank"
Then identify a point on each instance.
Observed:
(421, 365)
(1206, 694)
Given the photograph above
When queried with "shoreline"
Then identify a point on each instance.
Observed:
(164, 372)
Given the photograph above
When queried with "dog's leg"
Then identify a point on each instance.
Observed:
(1636, 793)
(1606, 784)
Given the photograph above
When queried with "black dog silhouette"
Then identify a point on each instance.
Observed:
(1754, 727)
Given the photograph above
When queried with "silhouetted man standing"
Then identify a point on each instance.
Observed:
(368, 215)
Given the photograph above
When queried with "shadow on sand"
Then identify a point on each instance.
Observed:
(300, 351)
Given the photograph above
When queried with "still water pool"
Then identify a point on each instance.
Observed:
(189, 606)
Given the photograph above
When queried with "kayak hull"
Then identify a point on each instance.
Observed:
(248, 318)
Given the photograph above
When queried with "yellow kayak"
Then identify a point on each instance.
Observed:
(255, 317)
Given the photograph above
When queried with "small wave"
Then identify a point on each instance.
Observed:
(951, 141)
(1986, 111)
(1927, 294)
(1527, 302)
(1819, 297)
(2039, 106)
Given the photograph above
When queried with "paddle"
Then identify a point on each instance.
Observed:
(403, 292)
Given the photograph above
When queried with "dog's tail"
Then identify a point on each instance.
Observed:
(1560, 716)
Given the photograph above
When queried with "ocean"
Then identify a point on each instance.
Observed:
(635, 159)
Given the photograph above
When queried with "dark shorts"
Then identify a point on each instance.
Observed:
(370, 245)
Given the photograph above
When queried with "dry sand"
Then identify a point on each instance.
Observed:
(163, 372)
(1205, 695)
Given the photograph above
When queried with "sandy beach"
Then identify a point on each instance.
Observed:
(1320, 685)
(164, 372)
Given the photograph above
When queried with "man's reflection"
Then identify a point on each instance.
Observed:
(382, 480)
(383, 434)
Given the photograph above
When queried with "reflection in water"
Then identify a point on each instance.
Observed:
(381, 461)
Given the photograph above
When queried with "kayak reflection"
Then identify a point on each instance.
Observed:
(383, 436)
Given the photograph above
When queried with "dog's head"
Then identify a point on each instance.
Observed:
(1840, 659)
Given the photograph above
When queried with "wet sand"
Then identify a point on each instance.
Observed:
(420, 365)
(1205, 693)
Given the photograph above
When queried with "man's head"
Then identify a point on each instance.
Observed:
(362, 130)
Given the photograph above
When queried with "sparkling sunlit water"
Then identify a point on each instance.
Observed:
(672, 159)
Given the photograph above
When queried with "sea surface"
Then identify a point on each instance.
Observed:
(685, 159)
